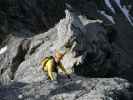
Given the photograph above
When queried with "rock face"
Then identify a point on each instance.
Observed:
(115, 13)
(29, 17)
(66, 34)
(78, 89)
(89, 53)
(11, 57)
(94, 49)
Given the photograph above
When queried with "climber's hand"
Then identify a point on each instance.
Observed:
(68, 76)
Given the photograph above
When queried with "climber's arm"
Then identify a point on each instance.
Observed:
(42, 64)
(63, 68)
(50, 65)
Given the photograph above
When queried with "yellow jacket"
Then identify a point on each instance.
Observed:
(50, 67)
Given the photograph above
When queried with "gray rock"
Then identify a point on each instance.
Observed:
(28, 70)
(11, 58)
(89, 51)
(33, 16)
(78, 89)
(123, 28)
(65, 33)
(94, 49)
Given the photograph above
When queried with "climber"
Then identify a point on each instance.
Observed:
(50, 65)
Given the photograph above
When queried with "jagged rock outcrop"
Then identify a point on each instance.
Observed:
(90, 53)
(66, 34)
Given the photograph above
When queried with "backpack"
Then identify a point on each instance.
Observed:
(45, 60)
